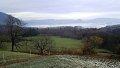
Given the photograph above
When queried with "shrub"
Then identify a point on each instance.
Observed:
(90, 43)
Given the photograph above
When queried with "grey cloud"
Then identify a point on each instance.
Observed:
(59, 6)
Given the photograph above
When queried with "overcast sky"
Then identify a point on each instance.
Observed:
(61, 9)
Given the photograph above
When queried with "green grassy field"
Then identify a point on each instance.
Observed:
(66, 42)
(13, 55)
(26, 60)
(6, 56)
(59, 43)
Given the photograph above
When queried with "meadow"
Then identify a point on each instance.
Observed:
(66, 42)
(7, 57)
(19, 59)
(58, 43)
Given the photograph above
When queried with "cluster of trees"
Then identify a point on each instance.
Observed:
(29, 31)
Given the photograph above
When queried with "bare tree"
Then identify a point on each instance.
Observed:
(14, 28)
(44, 44)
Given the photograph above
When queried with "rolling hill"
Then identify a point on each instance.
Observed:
(3, 17)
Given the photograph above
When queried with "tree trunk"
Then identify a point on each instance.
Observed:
(13, 43)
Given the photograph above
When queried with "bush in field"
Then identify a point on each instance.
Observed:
(86, 50)
(44, 44)
(90, 43)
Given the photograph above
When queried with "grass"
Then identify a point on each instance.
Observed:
(67, 61)
(44, 62)
(54, 61)
(66, 42)
(61, 42)
(103, 51)
(9, 56)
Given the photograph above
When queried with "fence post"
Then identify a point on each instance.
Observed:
(4, 61)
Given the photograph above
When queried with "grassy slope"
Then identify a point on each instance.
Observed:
(59, 43)
(9, 56)
(62, 42)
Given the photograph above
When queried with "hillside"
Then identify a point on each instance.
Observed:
(3, 17)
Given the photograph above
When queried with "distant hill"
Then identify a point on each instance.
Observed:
(94, 23)
(3, 17)
(104, 21)
(52, 22)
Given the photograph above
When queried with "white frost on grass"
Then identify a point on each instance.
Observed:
(90, 62)
(68, 61)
